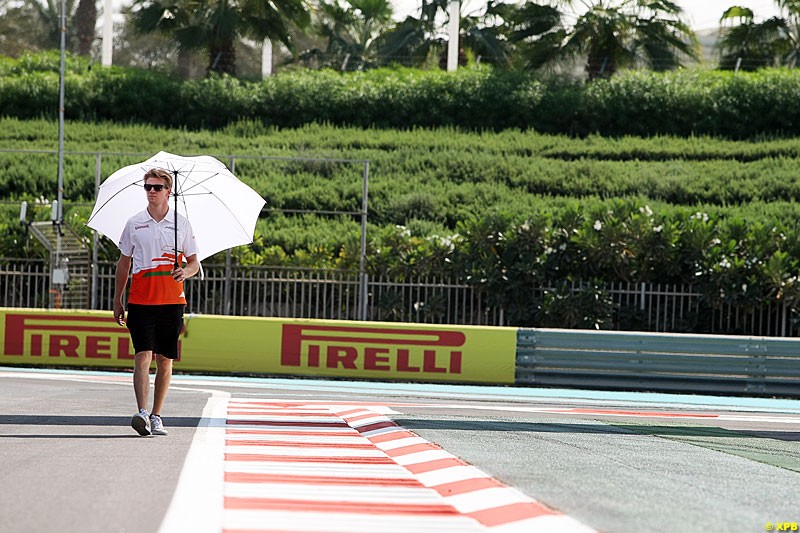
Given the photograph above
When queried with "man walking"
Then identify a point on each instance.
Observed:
(156, 300)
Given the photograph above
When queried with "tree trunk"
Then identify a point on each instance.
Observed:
(601, 66)
(85, 23)
(222, 57)
(185, 63)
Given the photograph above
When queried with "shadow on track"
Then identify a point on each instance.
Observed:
(86, 420)
(595, 428)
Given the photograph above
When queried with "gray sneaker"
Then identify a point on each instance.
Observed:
(141, 423)
(157, 426)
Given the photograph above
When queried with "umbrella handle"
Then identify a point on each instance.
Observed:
(175, 194)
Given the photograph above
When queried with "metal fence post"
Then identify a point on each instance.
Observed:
(226, 291)
(783, 322)
(362, 263)
(642, 297)
(95, 243)
(227, 284)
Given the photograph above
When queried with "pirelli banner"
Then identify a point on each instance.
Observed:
(377, 350)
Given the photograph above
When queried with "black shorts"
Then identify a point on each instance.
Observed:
(156, 328)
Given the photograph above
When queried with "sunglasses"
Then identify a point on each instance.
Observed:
(153, 186)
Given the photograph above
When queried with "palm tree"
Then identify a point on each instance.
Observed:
(168, 20)
(486, 35)
(85, 22)
(415, 39)
(216, 25)
(351, 29)
(152, 51)
(20, 29)
(750, 45)
(792, 18)
(32, 25)
(531, 34)
(609, 34)
(36, 25)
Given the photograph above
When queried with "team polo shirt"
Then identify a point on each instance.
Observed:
(151, 244)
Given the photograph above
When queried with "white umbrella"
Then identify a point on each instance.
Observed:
(222, 210)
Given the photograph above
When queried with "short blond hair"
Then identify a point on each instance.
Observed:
(159, 173)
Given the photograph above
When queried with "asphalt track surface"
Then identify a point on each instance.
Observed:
(615, 462)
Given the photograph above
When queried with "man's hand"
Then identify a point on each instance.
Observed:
(178, 274)
(119, 313)
(120, 281)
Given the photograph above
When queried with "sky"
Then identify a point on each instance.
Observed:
(701, 14)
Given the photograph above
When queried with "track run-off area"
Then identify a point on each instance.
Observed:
(302, 455)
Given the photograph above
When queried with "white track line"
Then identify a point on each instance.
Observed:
(197, 502)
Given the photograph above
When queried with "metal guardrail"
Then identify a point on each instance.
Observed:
(712, 364)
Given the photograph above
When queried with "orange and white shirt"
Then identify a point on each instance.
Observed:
(151, 244)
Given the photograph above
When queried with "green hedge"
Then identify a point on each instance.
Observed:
(684, 102)
(443, 175)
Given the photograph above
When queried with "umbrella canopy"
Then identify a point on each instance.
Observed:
(221, 209)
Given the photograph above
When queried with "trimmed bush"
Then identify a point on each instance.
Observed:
(643, 103)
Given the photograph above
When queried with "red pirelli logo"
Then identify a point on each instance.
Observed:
(65, 336)
(366, 348)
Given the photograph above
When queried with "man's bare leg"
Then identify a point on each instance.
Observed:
(163, 379)
(141, 388)
(141, 378)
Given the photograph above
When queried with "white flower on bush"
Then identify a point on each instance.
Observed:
(725, 263)
(658, 228)
(598, 225)
(646, 210)
(744, 287)
(715, 242)
(445, 242)
(700, 216)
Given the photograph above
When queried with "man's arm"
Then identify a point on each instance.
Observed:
(120, 282)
